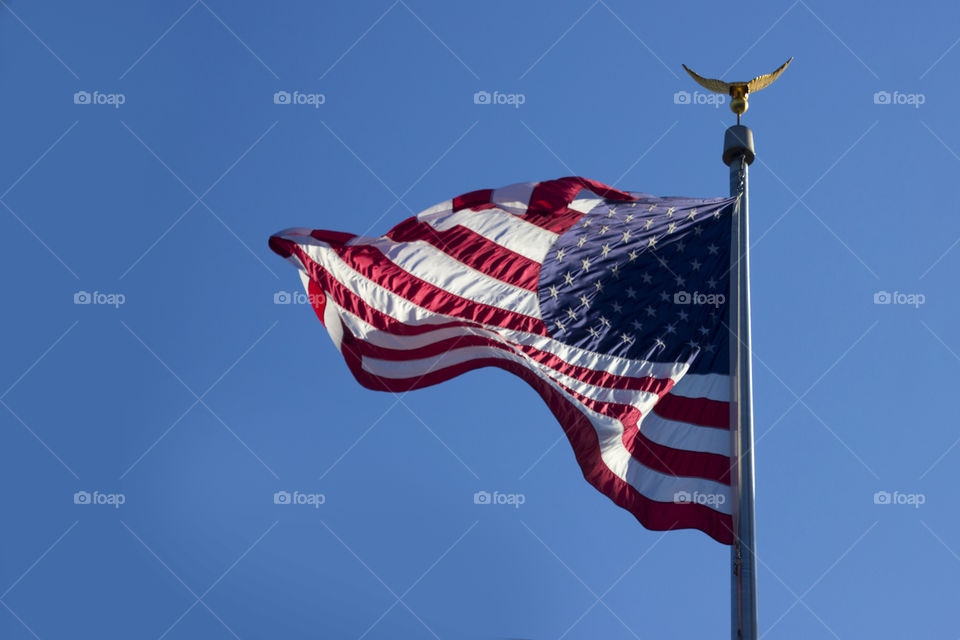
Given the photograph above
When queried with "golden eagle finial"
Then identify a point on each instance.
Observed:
(738, 90)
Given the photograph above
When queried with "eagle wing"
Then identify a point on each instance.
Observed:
(717, 86)
(761, 82)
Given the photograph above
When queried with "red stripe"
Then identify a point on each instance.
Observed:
(472, 199)
(677, 462)
(473, 250)
(550, 200)
(702, 412)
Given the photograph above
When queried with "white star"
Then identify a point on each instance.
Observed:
(585, 264)
(629, 217)
(695, 265)
(625, 338)
(604, 250)
(648, 223)
(610, 213)
(647, 278)
(582, 241)
(636, 324)
(712, 248)
(625, 235)
(560, 254)
(616, 306)
(605, 322)
(651, 311)
(585, 301)
(660, 344)
(671, 227)
(586, 222)
(652, 242)
(712, 283)
(593, 332)
(670, 212)
(631, 292)
(615, 270)
(716, 214)
(693, 214)
(604, 229)
(651, 208)
(633, 255)
(562, 325)
(672, 328)
(598, 285)
(554, 293)
(568, 278)
(571, 313)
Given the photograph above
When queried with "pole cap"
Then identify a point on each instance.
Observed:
(738, 141)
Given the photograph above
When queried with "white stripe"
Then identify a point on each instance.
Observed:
(713, 386)
(585, 205)
(498, 226)
(643, 400)
(514, 198)
(682, 435)
(424, 261)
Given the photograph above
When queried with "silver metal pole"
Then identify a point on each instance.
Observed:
(738, 153)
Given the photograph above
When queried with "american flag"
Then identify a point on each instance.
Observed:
(611, 305)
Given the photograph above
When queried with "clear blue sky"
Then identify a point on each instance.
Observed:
(197, 399)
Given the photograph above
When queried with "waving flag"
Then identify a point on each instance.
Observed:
(612, 305)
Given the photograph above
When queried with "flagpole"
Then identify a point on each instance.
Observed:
(738, 153)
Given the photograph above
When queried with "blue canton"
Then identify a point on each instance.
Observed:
(646, 279)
